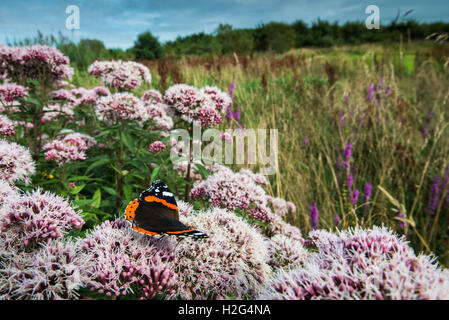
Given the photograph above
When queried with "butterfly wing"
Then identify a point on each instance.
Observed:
(155, 212)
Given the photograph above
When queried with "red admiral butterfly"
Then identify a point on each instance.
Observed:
(155, 213)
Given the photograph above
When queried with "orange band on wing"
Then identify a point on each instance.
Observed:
(150, 233)
(130, 211)
(165, 203)
(177, 232)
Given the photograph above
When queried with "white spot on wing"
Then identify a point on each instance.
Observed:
(167, 194)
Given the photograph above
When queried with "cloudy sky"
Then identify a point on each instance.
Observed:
(118, 22)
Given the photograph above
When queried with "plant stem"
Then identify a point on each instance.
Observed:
(120, 164)
(186, 196)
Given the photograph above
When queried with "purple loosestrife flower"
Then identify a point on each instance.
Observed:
(337, 219)
(231, 89)
(237, 115)
(229, 113)
(380, 85)
(347, 155)
(355, 196)
(342, 119)
(314, 215)
(425, 128)
(350, 181)
(367, 191)
(370, 92)
(305, 141)
(402, 216)
(435, 195)
(348, 150)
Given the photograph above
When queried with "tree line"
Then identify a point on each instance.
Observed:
(280, 37)
(273, 36)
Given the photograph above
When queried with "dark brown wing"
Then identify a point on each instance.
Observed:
(158, 218)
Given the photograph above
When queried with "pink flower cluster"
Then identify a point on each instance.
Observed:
(120, 259)
(53, 111)
(280, 206)
(7, 127)
(152, 96)
(229, 263)
(38, 217)
(15, 162)
(158, 113)
(9, 93)
(36, 62)
(123, 75)
(79, 97)
(7, 192)
(180, 168)
(234, 190)
(203, 106)
(157, 146)
(222, 99)
(285, 251)
(55, 271)
(120, 106)
(360, 264)
(68, 147)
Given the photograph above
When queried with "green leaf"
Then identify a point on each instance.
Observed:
(203, 171)
(80, 178)
(77, 189)
(98, 163)
(128, 142)
(84, 202)
(111, 191)
(116, 170)
(96, 199)
(128, 192)
(31, 101)
(155, 173)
